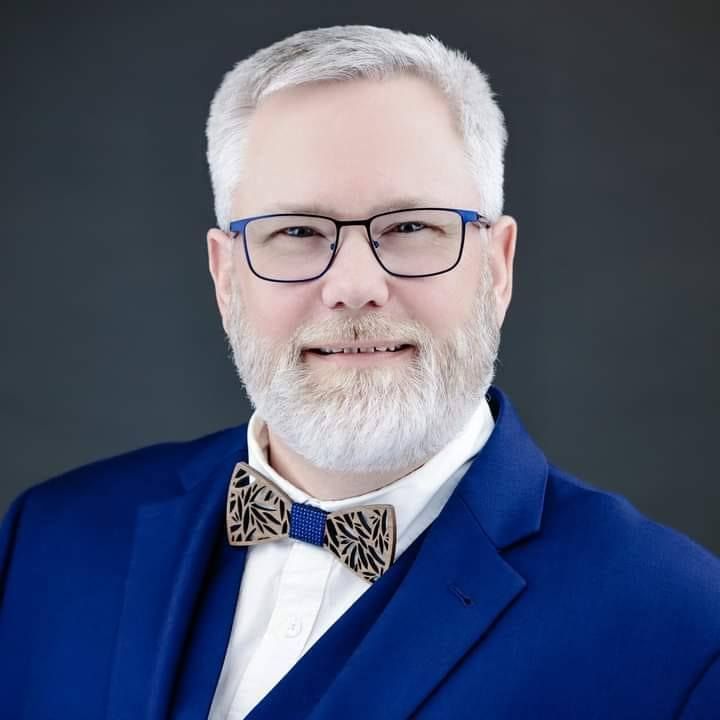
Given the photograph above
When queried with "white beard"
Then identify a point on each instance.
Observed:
(369, 419)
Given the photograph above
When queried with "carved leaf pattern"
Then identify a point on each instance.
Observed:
(256, 512)
(363, 539)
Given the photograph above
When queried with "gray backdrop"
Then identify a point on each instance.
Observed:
(111, 339)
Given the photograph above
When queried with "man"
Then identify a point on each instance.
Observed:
(382, 539)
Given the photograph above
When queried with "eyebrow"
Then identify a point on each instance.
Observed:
(315, 208)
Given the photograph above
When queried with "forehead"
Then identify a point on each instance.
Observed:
(352, 145)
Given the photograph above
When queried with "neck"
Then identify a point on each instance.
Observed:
(324, 484)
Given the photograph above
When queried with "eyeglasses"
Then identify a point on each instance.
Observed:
(418, 242)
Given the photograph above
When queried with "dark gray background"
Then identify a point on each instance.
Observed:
(110, 336)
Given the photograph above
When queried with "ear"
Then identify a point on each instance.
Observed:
(220, 262)
(503, 235)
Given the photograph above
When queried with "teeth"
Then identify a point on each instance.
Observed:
(388, 348)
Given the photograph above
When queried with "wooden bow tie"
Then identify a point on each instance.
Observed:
(362, 538)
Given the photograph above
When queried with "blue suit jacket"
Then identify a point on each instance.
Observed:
(532, 596)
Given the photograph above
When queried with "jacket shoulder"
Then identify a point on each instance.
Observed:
(647, 566)
(602, 575)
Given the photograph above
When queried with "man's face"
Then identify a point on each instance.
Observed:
(350, 150)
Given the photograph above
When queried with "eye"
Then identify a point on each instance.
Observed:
(407, 227)
(298, 231)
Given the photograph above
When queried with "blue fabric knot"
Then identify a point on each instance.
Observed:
(307, 523)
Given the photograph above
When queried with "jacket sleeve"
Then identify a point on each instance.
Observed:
(703, 702)
(7, 539)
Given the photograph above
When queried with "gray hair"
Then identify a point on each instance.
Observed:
(346, 53)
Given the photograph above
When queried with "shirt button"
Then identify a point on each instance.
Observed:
(293, 627)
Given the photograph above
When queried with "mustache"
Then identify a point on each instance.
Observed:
(366, 328)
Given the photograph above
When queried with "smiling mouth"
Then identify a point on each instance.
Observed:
(383, 350)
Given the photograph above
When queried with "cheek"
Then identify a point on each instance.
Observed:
(276, 314)
(442, 305)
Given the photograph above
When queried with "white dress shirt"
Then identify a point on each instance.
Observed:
(292, 591)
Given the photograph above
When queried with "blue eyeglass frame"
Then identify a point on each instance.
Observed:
(237, 227)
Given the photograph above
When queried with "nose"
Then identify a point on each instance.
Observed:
(355, 278)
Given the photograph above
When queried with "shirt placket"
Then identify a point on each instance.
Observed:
(300, 593)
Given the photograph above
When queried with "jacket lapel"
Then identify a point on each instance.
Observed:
(174, 540)
(458, 586)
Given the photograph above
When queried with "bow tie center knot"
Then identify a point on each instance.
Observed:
(307, 523)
